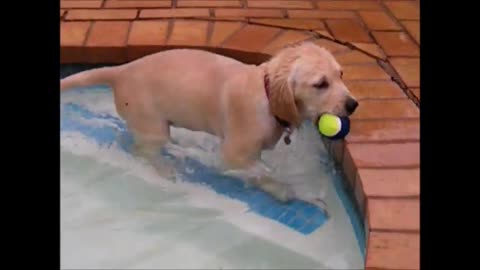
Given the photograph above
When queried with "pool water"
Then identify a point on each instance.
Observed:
(116, 212)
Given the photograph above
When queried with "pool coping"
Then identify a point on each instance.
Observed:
(380, 157)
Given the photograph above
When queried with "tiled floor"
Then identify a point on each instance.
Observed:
(376, 41)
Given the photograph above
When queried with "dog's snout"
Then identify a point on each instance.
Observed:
(351, 105)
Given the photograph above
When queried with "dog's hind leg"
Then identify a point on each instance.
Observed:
(149, 139)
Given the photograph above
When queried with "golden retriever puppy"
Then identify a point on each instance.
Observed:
(248, 107)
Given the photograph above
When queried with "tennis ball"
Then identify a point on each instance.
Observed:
(333, 127)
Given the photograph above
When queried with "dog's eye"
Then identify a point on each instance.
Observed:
(321, 85)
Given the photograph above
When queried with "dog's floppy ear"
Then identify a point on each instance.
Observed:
(282, 101)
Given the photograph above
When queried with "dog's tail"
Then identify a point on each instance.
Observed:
(104, 75)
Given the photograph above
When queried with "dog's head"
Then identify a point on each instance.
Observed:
(305, 82)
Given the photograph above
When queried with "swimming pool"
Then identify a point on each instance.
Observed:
(117, 213)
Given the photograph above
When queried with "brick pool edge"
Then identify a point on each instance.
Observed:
(380, 157)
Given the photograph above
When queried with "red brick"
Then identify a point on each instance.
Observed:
(81, 4)
(390, 182)
(413, 28)
(107, 42)
(416, 92)
(251, 38)
(348, 30)
(280, 4)
(316, 14)
(146, 37)
(174, 13)
(393, 251)
(286, 38)
(348, 5)
(108, 34)
(331, 46)
(208, 3)
(384, 131)
(396, 44)
(404, 10)
(138, 4)
(223, 30)
(364, 72)
(371, 48)
(378, 20)
(408, 69)
(73, 33)
(101, 14)
(353, 57)
(251, 13)
(375, 89)
(304, 24)
(394, 214)
(189, 33)
(385, 155)
(72, 38)
(386, 109)
(148, 33)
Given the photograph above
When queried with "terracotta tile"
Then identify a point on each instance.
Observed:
(337, 150)
(223, 30)
(148, 33)
(375, 89)
(404, 10)
(371, 48)
(413, 28)
(138, 4)
(307, 24)
(348, 165)
(331, 46)
(373, 155)
(101, 14)
(81, 4)
(72, 37)
(364, 72)
(251, 38)
(288, 37)
(324, 33)
(390, 182)
(109, 42)
(408, 69)
(416, 92)
(393, 251)
(348, 30)
(318, 14)
(353, 57)
(174, 13)
(396, 44)
(386, 109)
(280, 4)
(189, 33)
(251, 13)
(73, 33)
(394, 214)
(360, 197)
(108, 34)
(378, 20)
(208, 3)
(384, 130)
(348, 5)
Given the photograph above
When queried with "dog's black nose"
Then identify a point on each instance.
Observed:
(351, 105)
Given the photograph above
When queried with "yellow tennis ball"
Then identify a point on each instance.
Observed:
(332, 126)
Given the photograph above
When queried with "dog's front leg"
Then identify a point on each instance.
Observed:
(244, 163)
